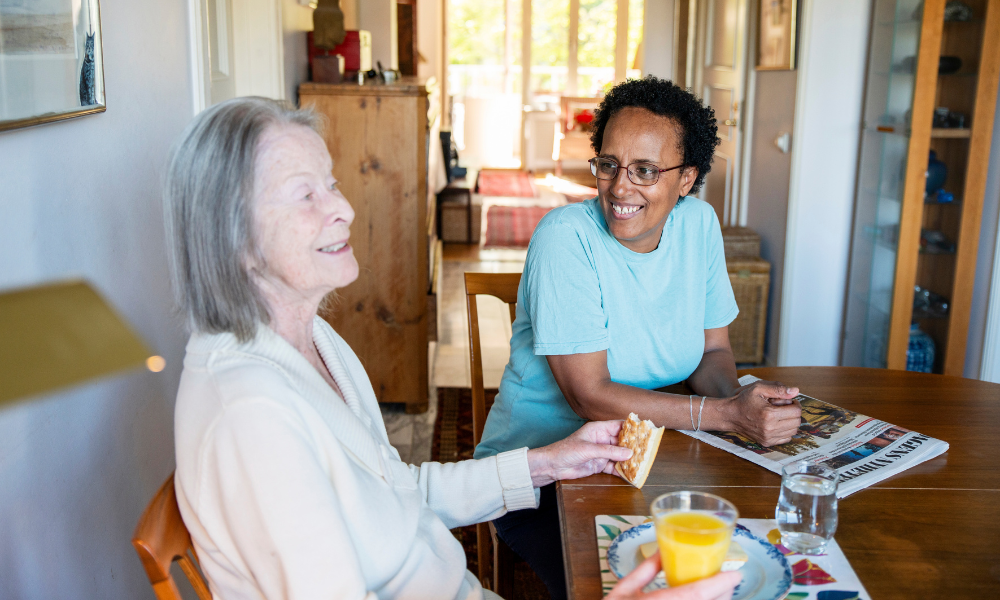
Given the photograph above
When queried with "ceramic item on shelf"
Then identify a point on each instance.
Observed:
(937, 174)
(940, 118)
(942, 197)
(935, 242)
(920, 353)
(957, 11)
(944, 118)
(949, 64)
(927, 304)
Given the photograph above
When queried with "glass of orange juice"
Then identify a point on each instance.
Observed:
(693, 530)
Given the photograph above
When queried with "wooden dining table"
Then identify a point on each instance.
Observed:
(932, 531)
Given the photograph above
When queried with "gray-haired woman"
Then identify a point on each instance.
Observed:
(285, 475)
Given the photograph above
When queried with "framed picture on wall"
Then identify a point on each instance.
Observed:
(51, 63)
(776, 35)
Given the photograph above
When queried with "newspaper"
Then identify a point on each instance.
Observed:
(864, 450)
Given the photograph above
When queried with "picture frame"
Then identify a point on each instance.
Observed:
(51, 61)
(776, 34)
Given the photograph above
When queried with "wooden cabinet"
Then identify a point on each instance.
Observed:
(380, 138)
(906, 235)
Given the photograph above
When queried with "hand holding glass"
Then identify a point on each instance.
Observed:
(693, 530)
(807, 506)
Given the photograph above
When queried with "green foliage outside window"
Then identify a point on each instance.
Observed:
(476, 32)
(598, 23)
(476, 37)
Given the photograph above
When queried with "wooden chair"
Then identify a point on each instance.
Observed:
(160, 538)
(504, 287)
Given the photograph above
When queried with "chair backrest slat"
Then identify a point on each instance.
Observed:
(160, 538)
(498, 285)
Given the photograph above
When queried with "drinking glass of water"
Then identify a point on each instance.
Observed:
(807, 507)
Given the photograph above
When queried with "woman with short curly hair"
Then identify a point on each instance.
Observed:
(623, 295)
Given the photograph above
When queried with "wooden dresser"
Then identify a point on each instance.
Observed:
(387, 158)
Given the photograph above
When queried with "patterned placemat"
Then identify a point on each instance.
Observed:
(823, 577)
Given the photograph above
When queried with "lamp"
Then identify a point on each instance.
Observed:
(59, 334)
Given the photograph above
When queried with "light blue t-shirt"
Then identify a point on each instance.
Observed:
(582, 291)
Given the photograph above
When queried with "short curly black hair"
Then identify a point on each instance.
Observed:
(662, 97)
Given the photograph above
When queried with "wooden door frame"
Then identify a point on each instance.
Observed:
(684, 37)
(200, 87)
(413, 47)
(747, 110)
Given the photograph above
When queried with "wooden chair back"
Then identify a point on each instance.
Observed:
(160, 538)
(498, 285)
(504, 287)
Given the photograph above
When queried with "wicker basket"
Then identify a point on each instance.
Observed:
(455, 222)
(740, 242)
(751, 278)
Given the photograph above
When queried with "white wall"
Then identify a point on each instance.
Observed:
(296, 20)
(833, 45)
(379, 17)
(430, 38)
(773, 110)
(350, 9)
(658, 38)
(82, 198)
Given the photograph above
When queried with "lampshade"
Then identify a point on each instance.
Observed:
(56, 335)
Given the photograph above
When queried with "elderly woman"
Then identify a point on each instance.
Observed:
(624, 294)
(285, 476)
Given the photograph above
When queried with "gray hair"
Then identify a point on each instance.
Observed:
(208, 212)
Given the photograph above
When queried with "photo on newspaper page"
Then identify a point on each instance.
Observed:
(864, 450)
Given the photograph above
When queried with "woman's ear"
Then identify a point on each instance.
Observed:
(688, 177)
(253, 263)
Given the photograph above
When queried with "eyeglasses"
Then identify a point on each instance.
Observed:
(640, 173)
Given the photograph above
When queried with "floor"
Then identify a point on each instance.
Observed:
(411, 435)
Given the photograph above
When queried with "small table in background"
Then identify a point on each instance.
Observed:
(932, 531)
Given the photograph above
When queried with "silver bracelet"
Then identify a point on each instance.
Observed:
(700, 409)
(691, 409)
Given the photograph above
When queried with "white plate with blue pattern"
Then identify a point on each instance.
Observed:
(766, 574)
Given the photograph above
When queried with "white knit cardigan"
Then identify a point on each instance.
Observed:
(291, 492)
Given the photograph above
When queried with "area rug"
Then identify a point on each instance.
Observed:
(512, 226)
(509, 183)
(453, 442)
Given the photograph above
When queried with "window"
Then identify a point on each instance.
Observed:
(579, 56)
(576, 48)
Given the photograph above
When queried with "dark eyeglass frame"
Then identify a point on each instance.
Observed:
(629, 170)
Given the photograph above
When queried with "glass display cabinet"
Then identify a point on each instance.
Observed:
(928, 121)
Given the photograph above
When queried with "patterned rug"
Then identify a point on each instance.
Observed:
(512, 226)
(453, 442)
(509, 183)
